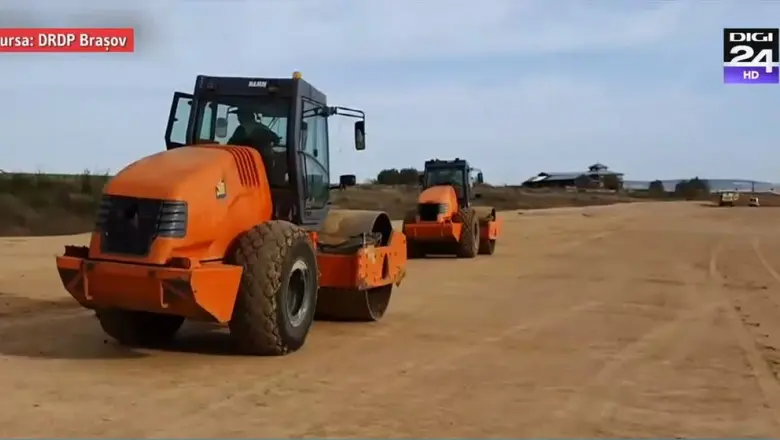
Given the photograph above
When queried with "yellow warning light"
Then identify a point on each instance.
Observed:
(296, 75)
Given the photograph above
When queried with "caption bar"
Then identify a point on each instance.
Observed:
(64, 40)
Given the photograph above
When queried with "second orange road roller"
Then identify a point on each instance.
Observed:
(446, 220)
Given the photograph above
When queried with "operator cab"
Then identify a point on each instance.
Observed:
(456, 173)
(284, 119)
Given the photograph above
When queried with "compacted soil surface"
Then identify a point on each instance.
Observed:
(632, 320)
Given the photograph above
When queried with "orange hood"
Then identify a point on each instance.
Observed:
(209, 180)
(172, 174)
(443, 194)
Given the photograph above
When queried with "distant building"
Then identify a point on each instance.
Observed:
(595, 176)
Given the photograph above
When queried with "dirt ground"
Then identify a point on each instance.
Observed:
(633, 320)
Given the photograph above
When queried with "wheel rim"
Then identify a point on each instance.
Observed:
(298, 287)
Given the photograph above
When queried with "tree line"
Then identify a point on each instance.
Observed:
(689, 189)
(393, 176)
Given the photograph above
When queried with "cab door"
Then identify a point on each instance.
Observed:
(177, 130)
(314, 163)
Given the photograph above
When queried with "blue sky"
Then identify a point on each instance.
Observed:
(515, 86)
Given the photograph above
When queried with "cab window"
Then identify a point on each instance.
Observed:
(214, 110)
(314, 152)
(249, 122)
(444, 176)
(177, 126)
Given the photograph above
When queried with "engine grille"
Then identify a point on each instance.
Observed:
(129, 225)
(429, 212)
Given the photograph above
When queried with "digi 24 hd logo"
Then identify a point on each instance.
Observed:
(751, 56)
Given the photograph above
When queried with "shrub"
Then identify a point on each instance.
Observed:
(613, 182)
(392, 176)
(692, 189)
(656, 188)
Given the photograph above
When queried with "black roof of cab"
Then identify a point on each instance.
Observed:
(246, 86)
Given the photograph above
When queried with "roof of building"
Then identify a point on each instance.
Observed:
(559, 176)
(604, 172)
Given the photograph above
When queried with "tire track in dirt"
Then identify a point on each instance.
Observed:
(383, 377)
(677, 339)
(762, 318)
(296, 370)
(765, 378)
(755, 244)
(337, 356)
(414, 374)
(394, 376)
(392, 381)
(581, 408)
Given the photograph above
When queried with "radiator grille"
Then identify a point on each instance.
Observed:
(429, 211)
(129, 225)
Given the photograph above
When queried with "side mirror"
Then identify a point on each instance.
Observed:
(347, 180)
(360, 135)
(220, 130)
(480, 178)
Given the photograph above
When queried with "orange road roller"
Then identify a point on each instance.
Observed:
(445, 220)
(232, 224)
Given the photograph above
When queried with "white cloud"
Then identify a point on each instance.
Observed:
(340, 30)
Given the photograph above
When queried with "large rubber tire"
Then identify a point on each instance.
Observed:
(413, 249)
(468, 245)
(142, 329)
(277, 296)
